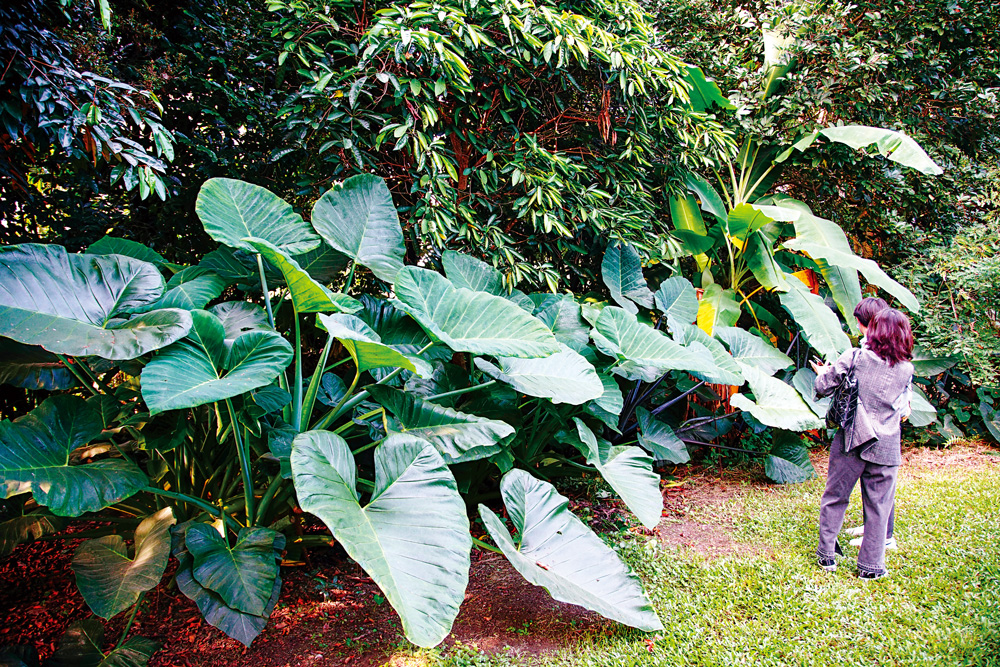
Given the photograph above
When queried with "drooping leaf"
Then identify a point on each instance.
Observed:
(894, 145)
(242, 575)
(109, 580)
(457, 436)
(240, 317)
(564, 377)
(660, 439)
(199, 369)
(804, 382)
(759, 255)
(923, 413)
(718, 308)
(621, 271)
(470, 321)
(26, 529)
(559, 552)
(308, 296)
(358, 219)
(677, 300)
(323, 264)
(74, 304)
(232, 210)
(928, 365)
(561, 314)
(35, 454)
(775, 403)
(413, 536)
(191, 289)
(31, 367)
(745, 220)
(726, 371)
(80, 646)
(820, 325)
(643, 352)
(788, 461)
(709, 199)
(109, 245)
(749, 349)
(365, 346)
(703, 93)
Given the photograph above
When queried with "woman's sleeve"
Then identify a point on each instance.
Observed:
(828, 380)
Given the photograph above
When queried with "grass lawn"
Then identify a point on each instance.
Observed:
(770, 604)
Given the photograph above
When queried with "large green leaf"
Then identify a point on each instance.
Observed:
(564, 377)
(109, 580)
(31, 367)
(804, 382)
(990, 414)
(749, 349)
(759, 255)
(232, 210)
(457, 436)
(643, 352)
(242, 575)
(470, 321)
(677, 300)
(820, 325)
(413, 536)
(727, 371)
(35, 454)
(358, 219)
(621, 271)
(628, 470)
(75, 304)
(191, 289)
(561, 314)
(239, 625)
(26, 529)
(894, 145)
(923, 413)
(81, 645)
(788, 461)
(775, 403)
(718, 308)
(708, 198)
(200, 369)
(686, 215)
(928, 365)
(559, 552)
(109, 245)
(365, 346)
(660, 439)
(308, 296)
(240, 317)
(702, 93)
(398, 330)
(478, 276)
(744, 220)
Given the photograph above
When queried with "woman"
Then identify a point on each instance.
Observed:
(869, 448)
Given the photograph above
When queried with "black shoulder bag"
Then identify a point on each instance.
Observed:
(844, 402)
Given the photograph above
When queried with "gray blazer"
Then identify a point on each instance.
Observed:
(883, 399)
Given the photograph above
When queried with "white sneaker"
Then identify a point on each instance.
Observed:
(856, 531)
(889, 543)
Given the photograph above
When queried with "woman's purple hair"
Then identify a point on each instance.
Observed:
(868, 308)
(890, 336)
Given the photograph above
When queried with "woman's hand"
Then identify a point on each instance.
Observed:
(817, 366)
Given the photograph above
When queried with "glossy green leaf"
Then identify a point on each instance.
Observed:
(470, 321)
(621, 271)
(775, 403)
(677, 300)
(413, 536)
(788, 461)
(191, 289)
(35, 454)
(478, 276)
(923, 413)
(704, 94)
(928, 365)
(242, 575)
(31, 367)
(365, 346)
(75, 304)
(727, 371)
(457, 436)
(759, 255)
(308, 296)
(564, 377)
(804, 382)
(708, 198)
(561, 314)
(109, 245)
(109, 580)
(240, 317)
(820, 325)
(660, 439)
(749, 349)
(558, 551)
(358, 218)
(718, 308)
(232, 210)
(200, 369)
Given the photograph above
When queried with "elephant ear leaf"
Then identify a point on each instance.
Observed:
(564, 377)
(35, 455)
(31, 367)
(358, 219)
(660, 439)
(243, 575)
(78, 304)
(788, 461)
(559, 552)
(109, 580)
(109, 245)
(80, 647)
(621, 271)
(412, 537)
(308, 296)
(201, 369)
(775, 403)
(366, 347)
(232, 210)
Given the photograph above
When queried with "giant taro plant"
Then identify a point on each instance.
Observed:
(201, 420)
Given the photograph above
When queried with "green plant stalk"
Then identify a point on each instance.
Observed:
(263, 287)
(77, 375)
(96, 380)
(343, 427)
(330, 416)
(485, 546)
(314, 384)
(197, 502)
(350, 279)
(244, 464)
(265, 501)
(459, 392)
(297, 393)
(131, 619)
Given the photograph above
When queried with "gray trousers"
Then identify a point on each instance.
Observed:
(878, 483)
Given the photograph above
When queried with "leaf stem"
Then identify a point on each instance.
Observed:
(197, 502)
(459, 392)
(314, 384)
(263, 287)
(350, 279)
(131, 619)
(76, 374)
(297, 390)
(485, 546)
(244, 456)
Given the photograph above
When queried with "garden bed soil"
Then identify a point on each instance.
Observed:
(331, 613)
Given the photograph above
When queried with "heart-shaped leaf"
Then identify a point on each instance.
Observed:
(109, 580)
(775, 403)
(621, 271)
(788, 461)
(564, 377)
(727, 371)
(75, 304)
(660, 439)
(559, 552)
(232, 210)
(820, 325)
(677, 300)
(747, 348)
(365, 346)
(35, 455)
(413, 536)
(199, 369)
(110, 245)
(358, 218)
(242, 576)
(240, 317)
(308, 296)
(457, 436)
